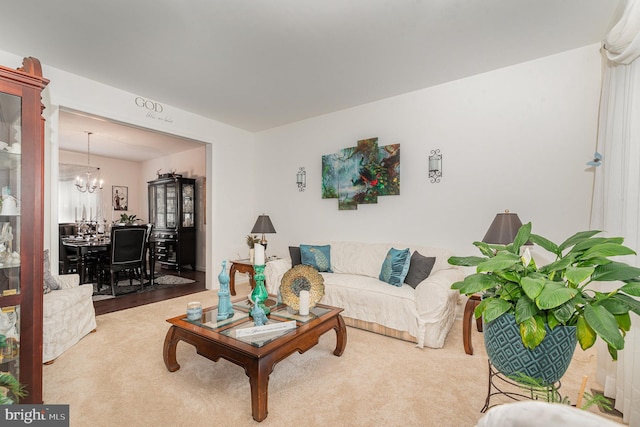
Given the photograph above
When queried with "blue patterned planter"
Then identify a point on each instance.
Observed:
(547, 362)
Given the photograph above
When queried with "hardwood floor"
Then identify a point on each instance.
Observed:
(142, 298)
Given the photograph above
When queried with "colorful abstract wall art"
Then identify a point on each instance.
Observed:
(359, 175)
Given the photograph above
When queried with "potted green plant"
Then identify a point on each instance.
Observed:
(11, 391)
(542, 299)
(128, 219)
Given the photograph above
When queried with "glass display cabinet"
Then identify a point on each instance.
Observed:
(172, 201)
(21, 225)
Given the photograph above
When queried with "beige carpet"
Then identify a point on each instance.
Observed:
(116, 377)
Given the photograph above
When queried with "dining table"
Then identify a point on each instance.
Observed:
(85, 246)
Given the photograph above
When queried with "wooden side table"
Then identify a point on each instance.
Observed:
(241, 266)
(471, 305)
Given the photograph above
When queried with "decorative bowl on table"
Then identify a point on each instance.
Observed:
(301, 278)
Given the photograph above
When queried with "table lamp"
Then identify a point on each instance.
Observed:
(503, 229)
(263, 225)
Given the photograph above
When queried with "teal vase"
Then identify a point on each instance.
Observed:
(547, 362)
(225, 307)
(223, 277)
(259, 294)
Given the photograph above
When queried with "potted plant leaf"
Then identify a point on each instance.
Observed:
(11, 391)
(128, 219)
(540, 302)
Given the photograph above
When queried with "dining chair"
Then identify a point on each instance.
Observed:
(146, 249)
(67, 260)
(127, 253)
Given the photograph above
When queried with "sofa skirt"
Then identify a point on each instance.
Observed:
(379, 329)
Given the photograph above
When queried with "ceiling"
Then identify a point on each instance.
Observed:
(117, 140)
(258, 64)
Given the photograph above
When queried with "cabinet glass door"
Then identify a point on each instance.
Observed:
(172, 206)
(188, 219)
(10, 340)
(161, 207)
(10, 173)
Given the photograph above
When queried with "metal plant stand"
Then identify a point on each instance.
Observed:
(499, 384)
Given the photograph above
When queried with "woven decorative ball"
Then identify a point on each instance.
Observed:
(301, 278)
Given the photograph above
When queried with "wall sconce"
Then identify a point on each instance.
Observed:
(435, 166)
(301, 179)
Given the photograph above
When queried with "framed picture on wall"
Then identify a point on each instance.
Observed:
(120, 197)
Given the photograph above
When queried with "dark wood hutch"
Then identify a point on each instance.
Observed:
(172, 203)
(22, 223)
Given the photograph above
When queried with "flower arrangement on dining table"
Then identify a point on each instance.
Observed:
(128, 219)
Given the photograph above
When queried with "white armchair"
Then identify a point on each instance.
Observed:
(538, 413)
(68, 315)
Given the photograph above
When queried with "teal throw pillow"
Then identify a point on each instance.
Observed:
(395, 266)
(318, 257)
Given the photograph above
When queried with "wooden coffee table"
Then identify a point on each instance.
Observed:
(257, 354)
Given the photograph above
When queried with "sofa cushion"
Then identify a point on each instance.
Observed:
(294, 254)
(318, 257)
(395, 266)
(49, 283)
(359, 258)
(419, 269)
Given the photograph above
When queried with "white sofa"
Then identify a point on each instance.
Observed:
(423, 315)
(68, 315)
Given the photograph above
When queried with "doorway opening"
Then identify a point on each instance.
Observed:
(129, 156)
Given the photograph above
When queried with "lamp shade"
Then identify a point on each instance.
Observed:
(263, 225)
(503, 229)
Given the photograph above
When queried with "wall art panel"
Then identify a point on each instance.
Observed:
(358, 175)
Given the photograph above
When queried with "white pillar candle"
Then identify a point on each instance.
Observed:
(304, 303)
(76, 211)
(258, 255)
(84, 212)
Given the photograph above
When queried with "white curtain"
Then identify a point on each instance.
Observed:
(616, 201)
(71, 202)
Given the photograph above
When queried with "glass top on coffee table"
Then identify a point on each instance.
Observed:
(210, 319)
(280, 314)
(258, 339)
(289, 314)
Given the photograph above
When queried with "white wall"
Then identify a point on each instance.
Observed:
(517, 138)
